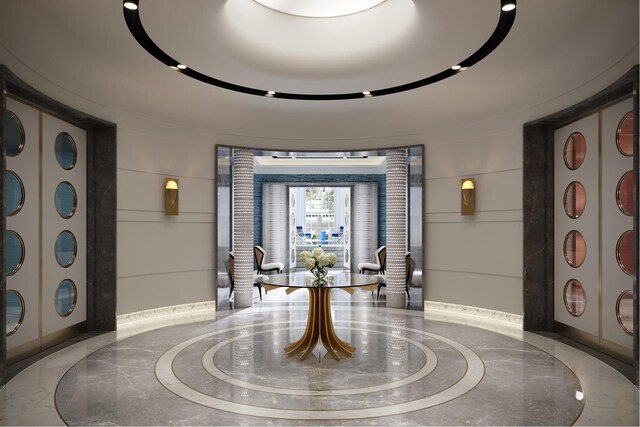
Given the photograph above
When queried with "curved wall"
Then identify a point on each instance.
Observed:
(164, 261)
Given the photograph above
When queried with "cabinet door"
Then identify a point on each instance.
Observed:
(617, 227)
(576, 235)
(64, 206)
(22, 238)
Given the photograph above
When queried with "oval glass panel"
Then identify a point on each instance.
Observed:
(624, 252)
(66, 200)
(293, 255)
(15, 311)
(14, 256)
(14, 133)
(65, 248)
(293, 237)
(624, 193)
(346, 218)
(66, 152)
(293, 219)
(293, 201)
(13, 193)
(346, 257)
(346, 237)
(575, 200)
(65, 297)
(624, 135)
(575, 299)
(575, 150)
(624, 311)
(346, 201)
(575, 248)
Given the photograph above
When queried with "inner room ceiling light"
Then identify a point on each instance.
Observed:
(505, 22)
(320, 8)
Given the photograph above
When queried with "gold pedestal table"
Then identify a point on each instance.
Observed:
(319, 328)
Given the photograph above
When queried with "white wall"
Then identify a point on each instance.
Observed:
(163, 260)
(475, 260)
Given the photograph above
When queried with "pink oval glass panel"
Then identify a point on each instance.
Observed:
(624, 193)
(624, 135)
(575, 200)
(624, 252)
(575, 150)
(575, 299)
(575, 248)
(624, 311)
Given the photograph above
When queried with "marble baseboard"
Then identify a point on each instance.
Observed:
(173, 310)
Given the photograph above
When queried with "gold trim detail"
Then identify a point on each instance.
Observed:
(22, 310)
(22, 190)
(22, 133)
(58, 142)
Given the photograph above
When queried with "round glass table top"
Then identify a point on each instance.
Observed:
(304, 279)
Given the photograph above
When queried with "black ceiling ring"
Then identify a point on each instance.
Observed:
(507, 18)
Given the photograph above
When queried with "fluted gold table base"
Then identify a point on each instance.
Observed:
(319, 328)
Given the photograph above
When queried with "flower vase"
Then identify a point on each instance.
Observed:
(319, 272)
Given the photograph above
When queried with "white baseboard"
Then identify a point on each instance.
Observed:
(449, 309)
(160, 312)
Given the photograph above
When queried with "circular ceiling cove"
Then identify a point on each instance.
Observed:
(507, 14)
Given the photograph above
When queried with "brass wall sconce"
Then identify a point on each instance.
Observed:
(468, 199)
(171, 196)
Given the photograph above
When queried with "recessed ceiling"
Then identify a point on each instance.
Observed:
(320, 8)
(81, 53)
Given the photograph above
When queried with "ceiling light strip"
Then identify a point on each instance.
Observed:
(134, 23)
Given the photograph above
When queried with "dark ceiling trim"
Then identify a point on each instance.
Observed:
(132, 18)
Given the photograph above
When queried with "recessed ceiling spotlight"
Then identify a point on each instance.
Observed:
(456, 67)
(270, 93)
(181, 67)
(508, 7)
(367, 93)
(130, 5)
(173, 67)
(463, 68)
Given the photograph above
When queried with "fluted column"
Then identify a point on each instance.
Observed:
(243, 226)
(396, 227)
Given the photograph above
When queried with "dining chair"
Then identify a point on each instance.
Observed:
(260, 254)
(230, 266)
(409, 269)
(381, 256)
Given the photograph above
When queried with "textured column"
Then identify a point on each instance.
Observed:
(243, 226)
(396, 227)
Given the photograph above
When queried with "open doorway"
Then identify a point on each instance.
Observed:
(320, 216)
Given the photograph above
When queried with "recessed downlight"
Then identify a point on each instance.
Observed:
(173, 67)
(508, 7)
(131, 5)
(181, 67)
(456, 67)
(270, 93)
(366, 93)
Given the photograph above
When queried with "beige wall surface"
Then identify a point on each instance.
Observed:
(163, 260)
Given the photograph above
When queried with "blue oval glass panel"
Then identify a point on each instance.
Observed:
(65, 248)
(15, 311)
(65, 297)
(66, 152)
(15, 252)
(14, 133)
(65, 200)
(13, 193)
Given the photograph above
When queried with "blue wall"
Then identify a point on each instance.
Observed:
(258, 180)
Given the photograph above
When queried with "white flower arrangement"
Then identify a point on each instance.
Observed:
(317, 259)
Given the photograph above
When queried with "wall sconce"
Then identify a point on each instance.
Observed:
(171, 196)
(468, 199)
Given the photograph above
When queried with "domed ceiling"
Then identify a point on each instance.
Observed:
(82, 53)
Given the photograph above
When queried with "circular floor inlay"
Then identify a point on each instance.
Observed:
(167, 377)
(426, 369)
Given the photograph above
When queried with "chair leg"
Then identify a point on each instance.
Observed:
(379, 287)
(408, 295)
(260, 292)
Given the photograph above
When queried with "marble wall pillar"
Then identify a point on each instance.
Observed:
(243, 226)
(396, 227)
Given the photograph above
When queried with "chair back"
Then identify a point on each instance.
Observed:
(229, 265)
(381, 254)
(410, 268)
(259, 253)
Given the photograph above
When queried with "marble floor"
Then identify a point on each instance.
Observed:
(229, 368)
